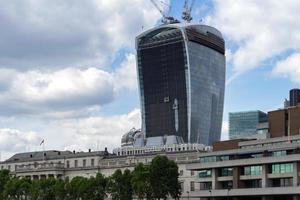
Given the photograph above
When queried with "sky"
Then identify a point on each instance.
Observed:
(68, 73)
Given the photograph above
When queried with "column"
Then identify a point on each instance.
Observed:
(214, 175)
(295, 174)
(264, 176)
(236, 177)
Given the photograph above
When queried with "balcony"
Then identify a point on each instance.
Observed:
(40, 167)
(246, 192)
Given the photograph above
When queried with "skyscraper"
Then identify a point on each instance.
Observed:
(181, 71)
(294, 97)
(245, 124)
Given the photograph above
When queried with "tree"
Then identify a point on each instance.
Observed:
(163, 178)
(140, 181)
(97, 187)
(77, 187)
(120, 185)
(4, 178)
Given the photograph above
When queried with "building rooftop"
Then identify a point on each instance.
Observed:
(51, 154)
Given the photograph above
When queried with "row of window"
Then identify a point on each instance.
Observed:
(207, 159)
(84, 163)
(255, 170)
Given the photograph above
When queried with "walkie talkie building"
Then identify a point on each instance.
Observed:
(181, 72)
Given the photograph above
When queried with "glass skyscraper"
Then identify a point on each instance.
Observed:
(181, 72)
(244, 124)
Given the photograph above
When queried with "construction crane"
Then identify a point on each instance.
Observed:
(166, 19)
(187, 11)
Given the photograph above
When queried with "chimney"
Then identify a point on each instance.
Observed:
(89, 150)
(73, 151)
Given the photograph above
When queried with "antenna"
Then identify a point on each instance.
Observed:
(166, 18)
(187, 11)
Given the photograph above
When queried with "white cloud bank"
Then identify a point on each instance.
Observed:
(55, 33)
(65, 90)
(289, 68)
(12, 140)
(259, 29)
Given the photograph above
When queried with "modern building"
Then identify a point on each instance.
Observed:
(245, 124)
(181, 73)
(294, 97)
(284, 122)
(254, 169)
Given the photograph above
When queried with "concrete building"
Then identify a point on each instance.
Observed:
(266, 169)
(181, 73)
(62, 164)
(246, 124)
(255, 169)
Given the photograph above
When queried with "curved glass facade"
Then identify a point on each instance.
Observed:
(181, 72)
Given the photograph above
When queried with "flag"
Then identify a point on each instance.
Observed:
(42, 142)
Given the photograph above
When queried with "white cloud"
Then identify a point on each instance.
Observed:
(259, 29)
(83, 134)
(126, 75)
(289, 68)
(54, 33)
(12, 140)
(65, 92)
(70, 134)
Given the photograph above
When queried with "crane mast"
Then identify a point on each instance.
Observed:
(187, 11)
(167, 19)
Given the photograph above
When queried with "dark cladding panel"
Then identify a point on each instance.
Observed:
(163, 76)
(210, 40)
(294, 97)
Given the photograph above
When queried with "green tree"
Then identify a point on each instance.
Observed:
(120, 185)
(140, 181)
(78, 188)
(96, 187)
(163, 178)
(4, 178)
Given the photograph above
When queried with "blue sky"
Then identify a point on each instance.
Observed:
(67, 68)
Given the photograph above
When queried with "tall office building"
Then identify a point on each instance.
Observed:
(294, 97)
(245, 124)
(181, 70)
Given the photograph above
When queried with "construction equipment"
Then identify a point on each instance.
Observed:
(166, 18)
(187, 11)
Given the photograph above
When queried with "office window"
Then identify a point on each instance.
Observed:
(92, 162)
(75, 163)
(68, 164)
(282, 168)
(192, 184)
(181, 173)
(208, 159)
(223, 158)
(182, 186)
(204, 173)
(8, 167)
(226, 171)
(84, 163)
(205, 185)
(227, 184)
(279, 153)
(281, 182)
(192, 172)
(252, 170)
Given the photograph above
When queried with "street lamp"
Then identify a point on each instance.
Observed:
(188, 194)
